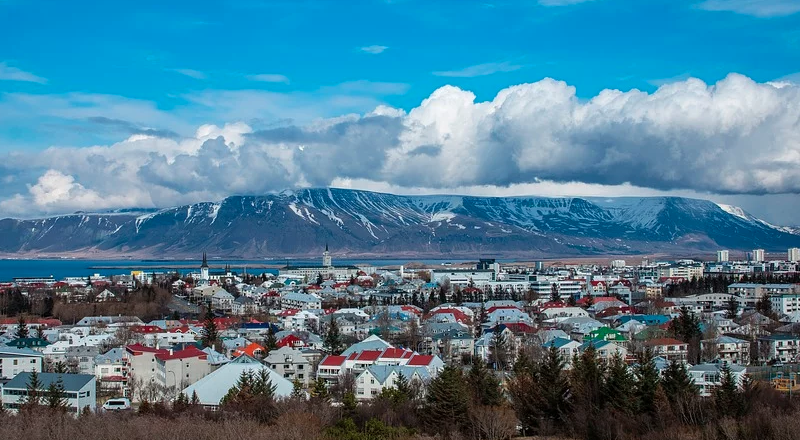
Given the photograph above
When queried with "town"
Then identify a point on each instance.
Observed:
(353, 335)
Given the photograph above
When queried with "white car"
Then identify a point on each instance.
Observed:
(117, 404)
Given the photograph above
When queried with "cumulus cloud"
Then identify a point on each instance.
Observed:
(735, 138)
(11, 73)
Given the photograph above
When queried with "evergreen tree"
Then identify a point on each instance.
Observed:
(555, 295)
(60, 367)
(195, 400)
(647, 382)
(589, 301)
(586, 380)
(320, 390)
(554, 386)
(483, 318)
(56, 396)
(731, 307)
(446, 402)
(34, 389)
(22, 328)
(271, 343)
(677, 384)
(727, 397)
(210, 334)
(403, 387)
(297, 390)
(571, 301)
(618, 385)
(764, 306)
(484, 385)
(39, 332)
(333, 340)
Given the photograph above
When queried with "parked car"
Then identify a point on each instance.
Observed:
(117, 404)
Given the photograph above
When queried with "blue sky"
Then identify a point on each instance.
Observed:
(92, 73)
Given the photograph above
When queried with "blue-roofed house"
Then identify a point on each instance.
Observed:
(605, 349)
(17, 360)
(80, 390)
(567, 348)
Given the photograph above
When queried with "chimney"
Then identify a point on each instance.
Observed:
(170, 352)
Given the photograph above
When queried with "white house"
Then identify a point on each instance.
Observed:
(222, 300)
(180, 368)
(728, 349)
(80, 390)
(301, 301)
(17, 360)
(291, 364)
(706, 377)
(375, 378)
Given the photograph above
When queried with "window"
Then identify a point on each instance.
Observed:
(300, 367)
(300, 376)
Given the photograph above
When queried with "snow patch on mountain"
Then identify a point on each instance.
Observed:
(736, 211)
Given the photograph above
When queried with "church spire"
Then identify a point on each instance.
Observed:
(205, 261)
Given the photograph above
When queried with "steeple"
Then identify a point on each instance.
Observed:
(205, 261)
(326, 257)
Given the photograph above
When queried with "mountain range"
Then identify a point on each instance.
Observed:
(360, 223)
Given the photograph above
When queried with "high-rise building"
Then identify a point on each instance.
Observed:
(722, 256)
(758, 255)
(794, 255)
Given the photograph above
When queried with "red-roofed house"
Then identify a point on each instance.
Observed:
(669, 348)
(139, 365)
(178, 369)
(331, 367)
(291, 341)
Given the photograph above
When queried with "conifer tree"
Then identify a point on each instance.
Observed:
(727, 397)
(484, 385)
(571, 301)
(764, 306)
(195, 400)
(483, 318)
(333, 340)
(34, 391)
(499, 349)
(403, 387)
(22, 328)
(271, 343)
(210, 332)
(555, 295)
(320, 390)
(446, 402)
(297, 390)
(731, 307)
(39, 332)
(55, 397)
(554, 385)
(618, 385)
(647, 382)
(586, 380)
(677, 383)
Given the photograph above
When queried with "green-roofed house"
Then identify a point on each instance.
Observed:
(605, 334)
(80, 390)
(37, 344)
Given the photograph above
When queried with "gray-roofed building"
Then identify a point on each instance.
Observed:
(728, 349)
(80, 390)
(292, 364)
(373, 342)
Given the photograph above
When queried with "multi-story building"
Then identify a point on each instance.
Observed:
(758, 255)
(179, 369)
(80, 390)
(707, 377)
(686, 271)
(669, 348)
(17, 360)
(300, 301)
(375, 378)
(752, 292)
(779, 347)
(723, 256)
(292, 364)
(794, 255)
(463, 277)
(728, 349)
(786, 303)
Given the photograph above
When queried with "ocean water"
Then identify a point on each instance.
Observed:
(62, 268)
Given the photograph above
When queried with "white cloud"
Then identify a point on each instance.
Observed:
(733, 139)
(561, 2)
(480, 70)
(191, 73)
(11, 73)
(269, 77)
(374, 49)
(756, 8)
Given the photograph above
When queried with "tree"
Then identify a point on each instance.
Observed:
(554, 385)
(764, 306)
(571, 301)
(320, 390)
(686, 327)
(253, 394)
(482, 319)
(484, 385)
(499, 349)
(22, 328)
(297, 390)
(210, 334)
(271, 343)
(333, 340)
(555, 295)
(56, 396)
(586, 380)
(618, 385)
(731, 307)
(647, 382)
(728, 400)
(677, 383)
(446, 402)
(39, 332)
(34, 387)
(195, 400)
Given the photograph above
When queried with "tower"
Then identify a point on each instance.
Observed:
(204, 269)
(326, 257)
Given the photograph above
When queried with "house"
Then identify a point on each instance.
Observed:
(17, 360)
(728, 349)
(707, 377)
(567, 348)
(291, 364)
(252, 349)
(180, 368)
(301, 301)
(222, 300)
(780, 347)
(244, 305)
(80, 390)
(106, 295)
(82, 357)
(36, 344)
(212, 388)
(373, 380)
(669, 348)
(139, 365)
(108, 369)
(605, 349)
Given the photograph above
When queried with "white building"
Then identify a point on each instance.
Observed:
(618, 264)
(291, 364)
(707, 377)
(80, 390)
(301, 301)
(794, 255)
(375, 378)
(179, 369)
(758, 255)
(18, 360)
(723, 256)
(785, 304)
(462, 277)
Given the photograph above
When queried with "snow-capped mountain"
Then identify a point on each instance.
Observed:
(300, 223)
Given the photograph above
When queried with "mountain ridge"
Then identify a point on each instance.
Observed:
(355, 222)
